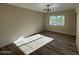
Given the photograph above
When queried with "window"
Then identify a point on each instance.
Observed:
(56, 20)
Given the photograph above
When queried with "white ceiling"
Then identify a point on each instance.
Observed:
(39, 6)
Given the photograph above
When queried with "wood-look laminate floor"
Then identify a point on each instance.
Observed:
(11, 49)
(61, 45)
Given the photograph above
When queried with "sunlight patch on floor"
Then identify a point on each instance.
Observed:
(32, 43)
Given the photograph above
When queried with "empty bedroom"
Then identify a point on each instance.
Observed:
(39, 29)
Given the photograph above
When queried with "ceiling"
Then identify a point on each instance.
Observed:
(39, 6)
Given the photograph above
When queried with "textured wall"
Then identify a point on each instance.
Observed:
(68, 28)
(16, 22)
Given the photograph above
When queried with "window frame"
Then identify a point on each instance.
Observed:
(56, 16)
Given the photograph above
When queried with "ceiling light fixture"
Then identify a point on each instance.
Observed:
(48, 9)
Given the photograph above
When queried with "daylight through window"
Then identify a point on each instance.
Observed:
(56, 20)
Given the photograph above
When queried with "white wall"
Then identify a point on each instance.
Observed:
(77, 29)
(16, 22)
(68, 28)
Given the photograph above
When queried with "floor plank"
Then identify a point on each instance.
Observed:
(61, 45)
